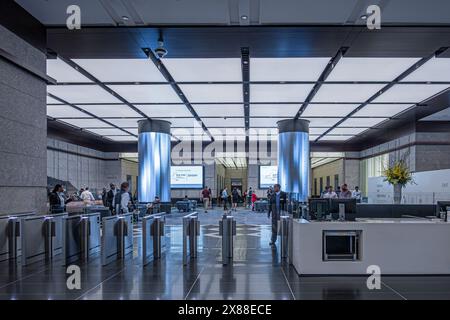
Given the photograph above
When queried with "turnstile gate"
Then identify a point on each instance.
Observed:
(153, 237)
(10, 239)
(227, 229)
(286, 237)
(191, 230)
(81, 237)
(117, 237)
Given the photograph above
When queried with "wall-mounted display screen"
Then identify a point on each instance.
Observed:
(186, 177)
(268, 176)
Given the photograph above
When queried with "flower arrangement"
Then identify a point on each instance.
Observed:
(398, 174)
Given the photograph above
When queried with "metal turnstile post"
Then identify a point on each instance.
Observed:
(84, 238)
(284, 226)
(14, 234)
(191, 230)
(122, 232)
(50, 233)
(227, 229)
(157, 232)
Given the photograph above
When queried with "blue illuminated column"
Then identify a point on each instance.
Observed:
(293, 157)
(154, 160)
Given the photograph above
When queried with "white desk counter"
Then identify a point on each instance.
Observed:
(397, 246)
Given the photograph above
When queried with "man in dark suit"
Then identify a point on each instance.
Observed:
(110, 196)
(277, 204)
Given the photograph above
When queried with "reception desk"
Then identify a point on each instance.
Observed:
(397, 245)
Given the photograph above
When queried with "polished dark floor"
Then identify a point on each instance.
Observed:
(256, 273)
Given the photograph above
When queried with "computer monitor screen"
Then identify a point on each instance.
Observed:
(319, 208)
(350, 205)
(442, 206)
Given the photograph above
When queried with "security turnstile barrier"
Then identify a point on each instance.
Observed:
(284, 235)
(81, 237)
(10, 240)
(191, 230)
(227, 229)
(117, 237)
(41, 237)
(153, 237)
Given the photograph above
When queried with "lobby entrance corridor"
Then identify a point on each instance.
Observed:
(256, 272)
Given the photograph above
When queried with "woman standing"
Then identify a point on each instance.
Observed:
(225, 199)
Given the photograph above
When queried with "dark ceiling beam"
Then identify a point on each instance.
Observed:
(323, 76)
(88, 113)
(403, 75)
(245, 67)
(166, 74)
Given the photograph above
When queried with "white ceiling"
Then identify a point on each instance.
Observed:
(277, 95)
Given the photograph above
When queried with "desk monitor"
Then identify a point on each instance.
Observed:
(350, 207)
(442, 206)
(319, 208)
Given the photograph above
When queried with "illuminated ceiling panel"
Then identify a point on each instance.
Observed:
(165, 110)
(86, 123)
(382, 110)
(279, 92)
(63, 111)
(370, 69)
(329, 110)
(274, 110)
(153, 93)
(122, 70)
(352, 93)
(110, 110)
(203, 70)
(287, 69)
(62, 72)
(82, 94)
(411, 93)
(219, 110)
(225, 93)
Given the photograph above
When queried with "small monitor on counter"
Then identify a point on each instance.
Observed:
(319, 208)
(343, 209)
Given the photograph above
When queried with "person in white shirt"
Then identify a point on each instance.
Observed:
(87, 196)
(356, 194)
(330, 194)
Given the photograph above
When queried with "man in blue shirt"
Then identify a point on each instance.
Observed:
(277, 204)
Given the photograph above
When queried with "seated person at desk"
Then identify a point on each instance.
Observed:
(345, 193)
(329, 193)
(155, 206)
(356, 194)
(186, 198)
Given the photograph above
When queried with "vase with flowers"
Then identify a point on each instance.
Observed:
(398, 176)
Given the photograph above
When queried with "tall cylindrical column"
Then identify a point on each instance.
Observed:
(293, 157)
(154, 160)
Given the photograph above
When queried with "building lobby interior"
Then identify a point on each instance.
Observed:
(178, 103)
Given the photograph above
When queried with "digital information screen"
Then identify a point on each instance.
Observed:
(186, 177)
(268, 176)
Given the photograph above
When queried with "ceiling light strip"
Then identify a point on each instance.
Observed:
(330, 66)
(90, 114)
(166, 74)
(403, 75)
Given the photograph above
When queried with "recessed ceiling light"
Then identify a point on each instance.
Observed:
(244, 17)
(125, 18)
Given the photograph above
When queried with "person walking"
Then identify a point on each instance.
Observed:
(235, 199)
(254, 199)
(123, 198)
(357, 194)
(278, 204)
(225, 199)
(87, 196)
(206, 195)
